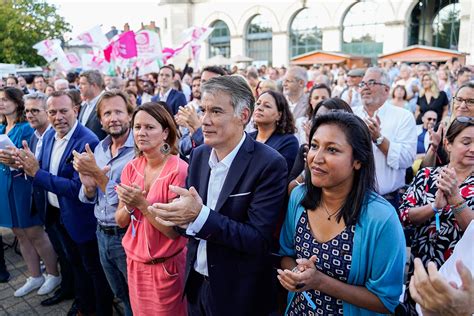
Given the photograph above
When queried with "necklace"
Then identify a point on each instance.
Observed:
(327, 211)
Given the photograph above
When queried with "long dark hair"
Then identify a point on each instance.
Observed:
(16, 96)
(158, 110)
(358, 136)
(286, 124)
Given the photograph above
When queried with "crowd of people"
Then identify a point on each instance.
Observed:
(218, 192)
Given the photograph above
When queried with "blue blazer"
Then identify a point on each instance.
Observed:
(77, 217)
(174, 101)
(286, 144)
(239, 231)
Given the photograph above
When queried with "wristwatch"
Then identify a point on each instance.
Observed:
(379, 140)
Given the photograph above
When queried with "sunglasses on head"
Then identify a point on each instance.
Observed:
(465, 119)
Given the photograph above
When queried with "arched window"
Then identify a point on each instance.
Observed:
(259, 39)
(219, 40)
(435, 23)
(304, 34)
(363, 30)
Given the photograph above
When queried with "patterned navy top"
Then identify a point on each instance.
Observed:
(334, 259)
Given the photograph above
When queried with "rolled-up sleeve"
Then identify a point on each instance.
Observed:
(402, 149)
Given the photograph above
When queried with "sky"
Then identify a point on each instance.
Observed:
(85, 14)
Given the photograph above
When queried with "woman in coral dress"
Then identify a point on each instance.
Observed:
(156, 254)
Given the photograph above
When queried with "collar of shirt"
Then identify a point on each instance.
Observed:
(42, 135)
(165, 96)
(68, 135)
(93, 101)
(380, 111)
(227, 161)
(108, 141)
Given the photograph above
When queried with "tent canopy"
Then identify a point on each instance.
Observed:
(421, 53)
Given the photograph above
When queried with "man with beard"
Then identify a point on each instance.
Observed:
(100, 172)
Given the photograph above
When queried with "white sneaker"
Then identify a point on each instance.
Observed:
(49, 284)
(30, 285)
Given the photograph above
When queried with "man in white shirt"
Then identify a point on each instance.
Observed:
(351, 94)
(91, 85)
(393, 131)
(236, 192)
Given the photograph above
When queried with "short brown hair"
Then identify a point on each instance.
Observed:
(158, 110)
(60, 93)
(111, 94)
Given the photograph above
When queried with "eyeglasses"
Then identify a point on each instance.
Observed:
(370, 84)
(431, 119)
(469, 102)
(465, 119)
(33, 111)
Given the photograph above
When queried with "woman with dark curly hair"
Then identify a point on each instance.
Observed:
(275, 125)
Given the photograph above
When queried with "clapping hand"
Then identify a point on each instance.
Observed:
(7, 156)
(133, 196)
(181, 211)
(448, 183)
(85, 162)
(26, 160)
(305, 277)
(374, 127)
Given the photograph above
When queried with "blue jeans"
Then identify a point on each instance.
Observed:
(114, 262)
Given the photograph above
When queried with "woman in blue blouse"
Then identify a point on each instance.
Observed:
(342, 244)
(16, 194)
(275, 125)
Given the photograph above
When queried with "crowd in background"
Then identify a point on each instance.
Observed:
(216, 192)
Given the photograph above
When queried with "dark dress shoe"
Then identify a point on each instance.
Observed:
(74, 310)
(58, 297)
(4, 276)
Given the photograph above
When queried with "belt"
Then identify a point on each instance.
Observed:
(163, 259)
(112, 230)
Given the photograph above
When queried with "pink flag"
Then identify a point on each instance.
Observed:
(124, 47)
(49, 49)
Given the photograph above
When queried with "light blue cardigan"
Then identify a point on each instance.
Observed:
(378, 253)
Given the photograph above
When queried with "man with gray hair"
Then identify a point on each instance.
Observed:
(91, 85)
(61, 84)
(236, 188)
(294, 85)
(393, 132)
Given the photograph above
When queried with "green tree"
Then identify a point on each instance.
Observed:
(24, 23)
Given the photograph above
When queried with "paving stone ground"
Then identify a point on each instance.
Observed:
(28, 304)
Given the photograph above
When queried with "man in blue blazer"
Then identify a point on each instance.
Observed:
(173, 98)
(236, 191)
(56, 185)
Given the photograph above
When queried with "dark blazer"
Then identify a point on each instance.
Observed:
(77, 217)
(286, 144)
(93, 123)
(174, 101)
(239, 230)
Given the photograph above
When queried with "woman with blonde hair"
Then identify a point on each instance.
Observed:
(431, 98)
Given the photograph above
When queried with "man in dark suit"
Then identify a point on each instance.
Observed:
(236, 191)
(91, 85)
(173, 98)
(56, 189)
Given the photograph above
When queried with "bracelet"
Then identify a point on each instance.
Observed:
(297, 182)
(458, 209)
(458, 204)
(129, 211)
(435, 209)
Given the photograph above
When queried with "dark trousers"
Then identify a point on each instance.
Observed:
(394, 199)
(92, 291)
(3, 267)
(198, 293)
(56, 233)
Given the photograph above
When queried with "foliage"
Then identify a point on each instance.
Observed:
(24, 23)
